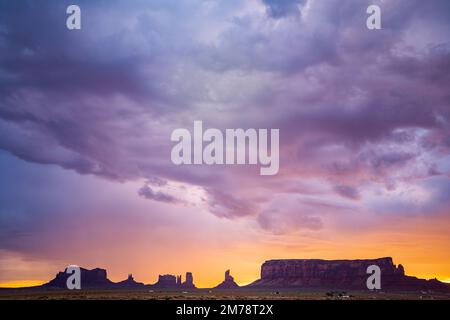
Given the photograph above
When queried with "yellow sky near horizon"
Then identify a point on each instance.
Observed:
(426, 259)
(419, 243)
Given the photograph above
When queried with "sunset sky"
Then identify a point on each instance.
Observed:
(86, 116)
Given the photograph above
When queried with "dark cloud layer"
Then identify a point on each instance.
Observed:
(148, 193)
(282, 8)
(355, 108)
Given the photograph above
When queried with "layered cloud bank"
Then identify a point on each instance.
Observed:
(364, 116)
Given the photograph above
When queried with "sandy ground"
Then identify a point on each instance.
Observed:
(205, 294)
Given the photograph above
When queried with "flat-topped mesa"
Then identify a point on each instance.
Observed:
(344, 274)
(95, 278)
(167, 281)
(316, 268)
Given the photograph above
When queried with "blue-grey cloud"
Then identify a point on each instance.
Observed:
(281, 8)
(147, 192)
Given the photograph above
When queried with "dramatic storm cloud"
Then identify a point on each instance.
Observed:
(364, 116)
(351, 104)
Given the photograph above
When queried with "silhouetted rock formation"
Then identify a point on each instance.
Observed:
(129, 283)
(294, 273)
(173, 282)
(342, 274)
(228, 283)
(95, 278)
(166, 281)
(189, 283)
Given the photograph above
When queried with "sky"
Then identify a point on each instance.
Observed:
(86, 116)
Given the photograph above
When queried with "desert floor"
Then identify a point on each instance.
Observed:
(206, 294)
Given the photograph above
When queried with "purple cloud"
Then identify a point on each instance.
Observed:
(356, 109)
(281, 8)
(347, 192)
(148, 193)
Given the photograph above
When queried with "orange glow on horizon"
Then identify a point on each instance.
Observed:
(21, 283)
(420, 244)
(209, 282)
